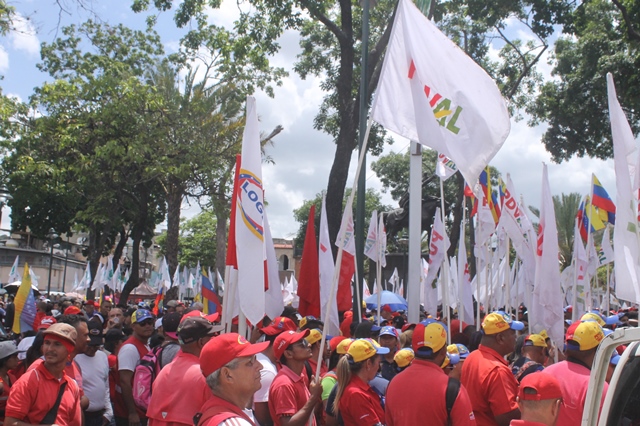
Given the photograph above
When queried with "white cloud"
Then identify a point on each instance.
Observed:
(24, 36)
(4, 60)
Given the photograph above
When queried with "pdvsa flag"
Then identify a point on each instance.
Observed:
(249, 224)
(209, 297)
(432, 92)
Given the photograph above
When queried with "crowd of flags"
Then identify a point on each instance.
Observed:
(430, 92)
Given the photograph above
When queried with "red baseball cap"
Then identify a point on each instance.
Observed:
(72, 310)
(223, 349)
(539, 386)
(284, 340)
(46, 322)
(278, 325)
(91, 303)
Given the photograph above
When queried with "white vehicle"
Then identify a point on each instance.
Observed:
(622, 404)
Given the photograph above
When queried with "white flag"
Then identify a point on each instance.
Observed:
(464, 280)
(430, 91)
(606, 251)
(115, 279)
(625, 233)
(98, 284)
(445, 168)
(273, 303)
(371, 243)
(438, 247)
(516, 224)
(365, 289)
(220, 283)
(86, 279)
(14, 275)
(165, 275)
(428, 292)
(580, 262)
(382, 242)
(176, 278)
(546, 311)
(394, 280)
(349, 242)
(327, 268)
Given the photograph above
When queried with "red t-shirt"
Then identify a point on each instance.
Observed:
(288, 394)
(418, 393)
(360, 405)
(491, 386)
(35, 393)
(574, 382)
(179, 391)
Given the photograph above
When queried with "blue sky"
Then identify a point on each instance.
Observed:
(302, 155)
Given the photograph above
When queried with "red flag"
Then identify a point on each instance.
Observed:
(347, 269)
(309, 281)
(232, 259)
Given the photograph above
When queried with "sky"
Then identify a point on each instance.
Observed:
(302, 155)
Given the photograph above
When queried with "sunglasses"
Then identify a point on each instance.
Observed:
(301, 344)
(145, 322)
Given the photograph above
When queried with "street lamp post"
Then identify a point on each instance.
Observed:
(51, 236)
(66, 259)
(4, 197)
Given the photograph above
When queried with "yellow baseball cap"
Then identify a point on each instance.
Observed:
(404, 357)
(459, 349)
(535, 340)
(499, 321)
(584, 335)
(430, 334)
(363, 349)
(343, 346)
(592, 316)
(315, 335)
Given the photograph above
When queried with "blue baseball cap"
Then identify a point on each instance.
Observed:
(389, 330)
(140, 315)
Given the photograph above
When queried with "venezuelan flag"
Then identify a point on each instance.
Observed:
(209, 297)
(589, 220)
(25, 305)
(602, 201)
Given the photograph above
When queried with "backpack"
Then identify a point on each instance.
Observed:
(145, 374)
(451, 394)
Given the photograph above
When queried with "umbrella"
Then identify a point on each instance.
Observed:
(395, 301)
(12, 288)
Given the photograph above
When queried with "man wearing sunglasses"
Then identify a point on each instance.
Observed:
(535, 354)
(125, 410)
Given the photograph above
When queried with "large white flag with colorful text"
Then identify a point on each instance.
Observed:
(432, 92)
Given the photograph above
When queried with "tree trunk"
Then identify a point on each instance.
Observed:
(122, 242)
(97, 239)
(134, 279)
(175, 194)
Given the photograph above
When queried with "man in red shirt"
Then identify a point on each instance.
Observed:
(233, 374)
(581, 342)
(539, 399)
(490, 383)
(180, 389)
(33, 396)
(125, 410)
(409, 402)
(291, 402)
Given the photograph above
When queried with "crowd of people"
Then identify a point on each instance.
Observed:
(97, 364)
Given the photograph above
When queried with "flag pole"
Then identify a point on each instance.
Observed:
(461, 310)
(445, 272)
(478, 231)
(379, 267)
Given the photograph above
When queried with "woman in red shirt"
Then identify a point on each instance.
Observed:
(8, 361)
(356, 402)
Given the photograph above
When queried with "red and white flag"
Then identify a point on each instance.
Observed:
(625, 231)
(438, 247)
(464, 280)
(581, 286)
(371, 243)
(327, 269)
(545, 312)
(432, 92)
(348, 264)
(309, 288)
(249, 221)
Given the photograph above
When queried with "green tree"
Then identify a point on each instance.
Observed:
(566, 207)
(600, 37)
(331, 44)
(301, 214)
(196, 237)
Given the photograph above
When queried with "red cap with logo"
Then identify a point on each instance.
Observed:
(538, 387)
(223, 349)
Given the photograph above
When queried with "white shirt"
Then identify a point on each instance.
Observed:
(128, 357)
(95, 380)
(267, 374)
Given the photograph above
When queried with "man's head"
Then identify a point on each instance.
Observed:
(230, 366)
(499, 332)
(429, 341)
(582, 340)
(310, 322)
(386, 312)
(540, 398)
(96, 338)
(142, 321)
(59, 344)
(170, 323)
(116, 318)
(46, 322)
(105, 308)
(78, 322)
(291, 347)
(171, 306)
(535, 348)
(389, 338)
(279, 325)
(194, 332)
(90, 307)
